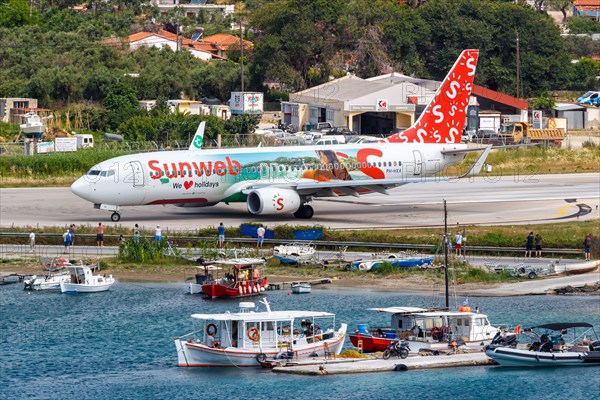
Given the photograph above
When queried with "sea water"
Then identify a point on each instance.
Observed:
(119, 345)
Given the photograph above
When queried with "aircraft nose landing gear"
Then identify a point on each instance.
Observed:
(115, 217)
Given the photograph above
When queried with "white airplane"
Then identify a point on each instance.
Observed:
(283, 180)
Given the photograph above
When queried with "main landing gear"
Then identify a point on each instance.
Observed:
(305, 212)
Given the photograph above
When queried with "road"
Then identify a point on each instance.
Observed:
(518, 199)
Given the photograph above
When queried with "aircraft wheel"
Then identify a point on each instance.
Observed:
(115, 217)
(305, 212)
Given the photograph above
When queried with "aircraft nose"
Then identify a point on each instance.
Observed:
(81, 188)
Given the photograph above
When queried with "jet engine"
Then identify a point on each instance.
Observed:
(266, 201)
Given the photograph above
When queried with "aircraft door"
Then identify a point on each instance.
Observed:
(135, 179)
(418, 162)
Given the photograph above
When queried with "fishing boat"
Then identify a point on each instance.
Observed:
(83, 281)
(204, 274)
(46, 282)
(548, 346)
(249, 337)
(33, 127)
(296, 253)
(243, 280)
(431, 329)
(301, 287)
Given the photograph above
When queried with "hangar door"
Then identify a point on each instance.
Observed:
(377, 123)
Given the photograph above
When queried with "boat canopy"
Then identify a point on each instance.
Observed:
(240, 261)
(263, 316)
(564, 325)
(398, 310)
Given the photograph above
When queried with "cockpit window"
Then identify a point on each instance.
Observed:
(94, 172)
(108, 173)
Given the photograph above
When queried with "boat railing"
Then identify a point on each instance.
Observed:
(194, 333)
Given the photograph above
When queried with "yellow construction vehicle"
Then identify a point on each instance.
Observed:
(522, 133)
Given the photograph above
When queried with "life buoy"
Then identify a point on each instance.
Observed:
(211, 329)
(253, 333)
(436, 333)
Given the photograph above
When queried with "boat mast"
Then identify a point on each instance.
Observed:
(446, 254)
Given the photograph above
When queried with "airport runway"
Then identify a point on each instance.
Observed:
(508, 200)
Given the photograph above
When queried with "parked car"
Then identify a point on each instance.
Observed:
(340, 130)
(486, 136)
(363, 139)
(591, 98)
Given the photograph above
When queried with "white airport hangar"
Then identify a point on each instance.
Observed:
(370, 106)
(380, 105)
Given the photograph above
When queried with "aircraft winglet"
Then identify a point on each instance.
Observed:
(478, 164)
(198, 137)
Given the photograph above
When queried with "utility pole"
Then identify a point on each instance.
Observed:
(518, 68)
(242, 50)
(446, 255)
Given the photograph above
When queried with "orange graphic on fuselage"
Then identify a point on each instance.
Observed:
(373, 172)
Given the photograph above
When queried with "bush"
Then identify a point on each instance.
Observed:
(142, 250)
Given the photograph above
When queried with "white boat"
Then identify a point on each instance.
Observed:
(301, 287)
(549, 350)
(578, 268)
(33, 126)
(248, 337)
(82, 281)
(201, 278)
(294, 253)
(46, 282)
(427, 329)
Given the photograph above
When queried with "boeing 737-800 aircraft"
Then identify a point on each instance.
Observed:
(280, 180)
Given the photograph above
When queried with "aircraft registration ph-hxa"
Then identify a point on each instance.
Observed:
(284, 180)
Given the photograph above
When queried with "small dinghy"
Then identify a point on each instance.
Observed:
(548, 346)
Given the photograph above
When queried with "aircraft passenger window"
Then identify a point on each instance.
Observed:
(379, 164)
(247, 169)
(330, 165)
(364, 164)
(335, 165)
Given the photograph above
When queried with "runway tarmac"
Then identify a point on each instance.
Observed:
(518, 199)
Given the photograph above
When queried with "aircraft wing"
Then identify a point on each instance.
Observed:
(335, 187)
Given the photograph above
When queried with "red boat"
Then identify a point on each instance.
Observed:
(244, 280)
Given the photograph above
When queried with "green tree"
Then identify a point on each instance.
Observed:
(16, 13)
(121, 104)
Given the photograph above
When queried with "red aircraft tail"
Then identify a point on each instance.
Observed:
(444, 117)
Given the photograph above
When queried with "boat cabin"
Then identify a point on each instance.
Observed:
(80, 274)
(439, 326)
(251, 330)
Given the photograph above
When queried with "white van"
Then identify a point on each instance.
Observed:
(84, 141)
(325, 141)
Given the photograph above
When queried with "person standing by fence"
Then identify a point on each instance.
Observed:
(260, 236)
(32, 241)
(529, 245)
(66, 241)
(100, 234)
(136, 233)
(158, 233)
(538, 246)
(587, 246)
(72, 229)
(221, 233)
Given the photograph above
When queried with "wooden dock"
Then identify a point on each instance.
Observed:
(283, 285)
(362, 365)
